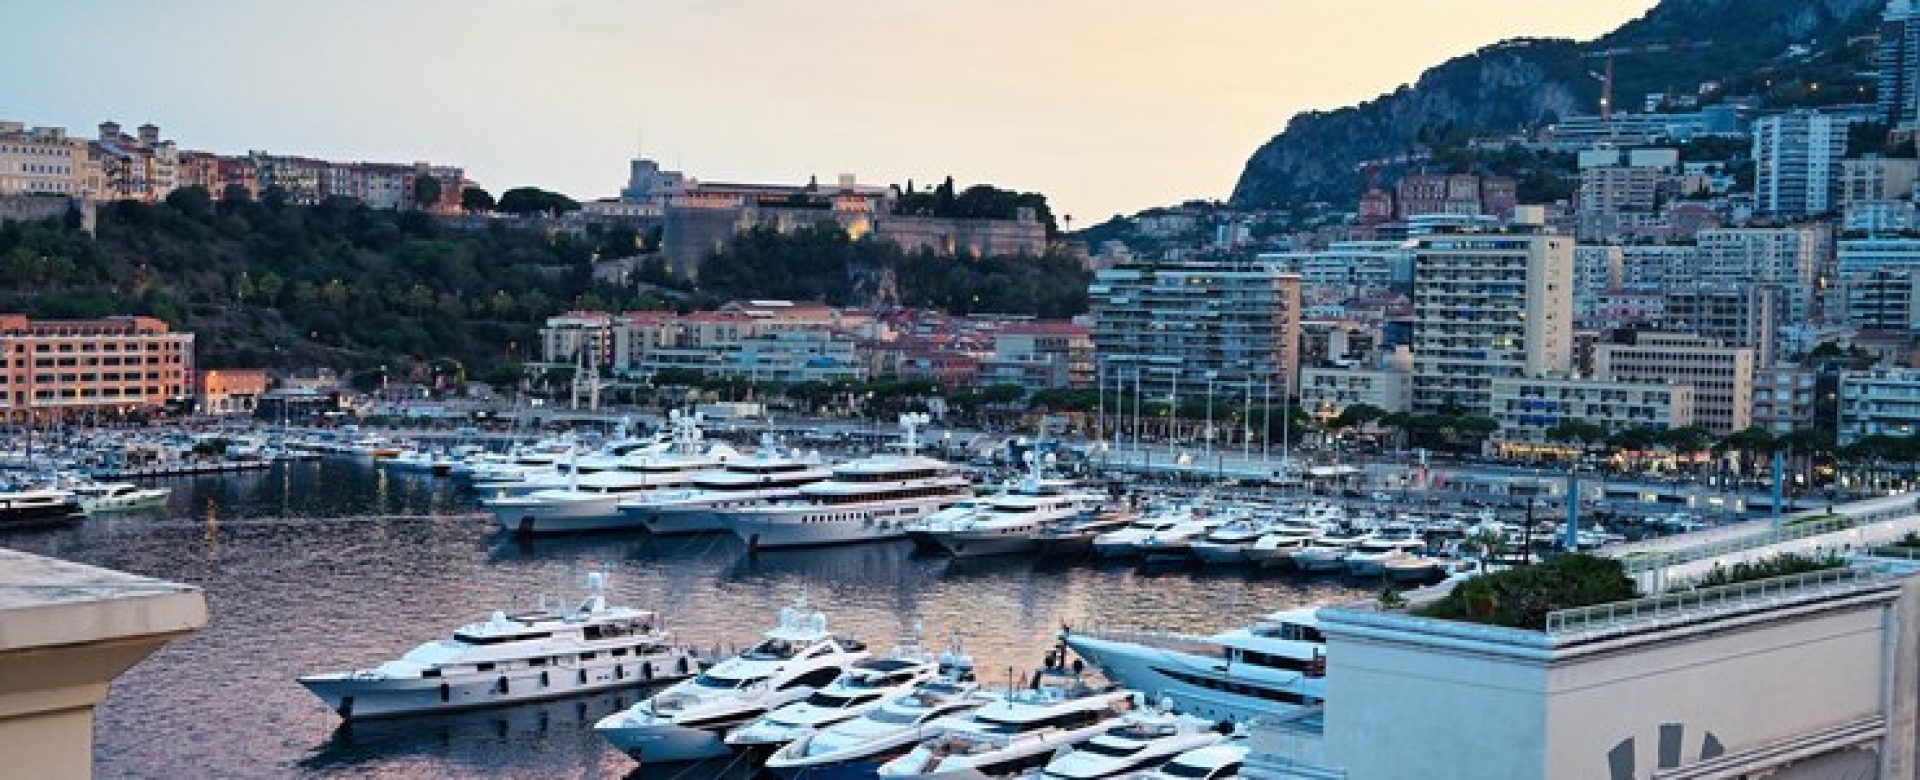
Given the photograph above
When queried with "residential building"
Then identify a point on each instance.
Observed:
(567, 335)
(1738, 315)
(1883, 299)
(1626, 309)
(1797, 156)
(760, 341)
(1489, 305)
(1618, 185)
(1783, 399)
(1351, 268)
(1385, 383)
(1898, 99)
(1461, 194)
(53, 369)
(1040, 355)
(1877, 178)
(231, 391)
(1864, 255)
(1788, 258)
(41, 161)
(140, 167)
(1880, 217)
(1596, 269)
(1721, 376)
(1652, 267)
(1167, 324)
(1528, 408)
(1883, 401)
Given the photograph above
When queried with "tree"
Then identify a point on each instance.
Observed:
(192, 202)
(1578, 431)
(1357, 415)
(522, 201)
(426, 191)
(1691, 438)
(474, 200)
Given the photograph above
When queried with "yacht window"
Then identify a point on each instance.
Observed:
(588, 656)
(536, 662)
(771, 650)
(1178, 769)
(892, 716)
(474, 639)
(836, 702)
(708, 680)
(814, 679)
(487, 667)
(619, 652)
(1102, 749)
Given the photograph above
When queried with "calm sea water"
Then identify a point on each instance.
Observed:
(330, 565)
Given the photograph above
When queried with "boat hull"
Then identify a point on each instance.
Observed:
(580, 516)
(1220, 554)
(365, 699)
(965, 545)
(677, 522)
(663, 742)
(34, 515)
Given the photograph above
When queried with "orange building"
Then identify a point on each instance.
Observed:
(58, 368)
(231, 390)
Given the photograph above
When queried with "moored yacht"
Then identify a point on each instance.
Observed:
(1272, 666)
(867, 500)
(862, 687)
(1369, 557)
(101, 497)
(37, 505)
(1124, 541)
(1145, 739)
(1228, 544)
(1018, 733)
(1215, 762)
(1326, 553)
(855, 748)
(591, 502)
(1008, 521)
(685, 722)
(1277, 546)
(770, 476)
(507, 659)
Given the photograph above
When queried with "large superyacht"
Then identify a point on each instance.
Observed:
(867, 500)
(771, 476)
(1275, 665)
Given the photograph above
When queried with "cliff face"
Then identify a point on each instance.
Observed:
(1525, 82)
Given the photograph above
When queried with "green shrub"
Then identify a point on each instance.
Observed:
(1522, 597)
(1780, 565)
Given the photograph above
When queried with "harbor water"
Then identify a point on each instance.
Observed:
(333, 564)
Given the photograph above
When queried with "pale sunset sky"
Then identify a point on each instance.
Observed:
(1107, 106)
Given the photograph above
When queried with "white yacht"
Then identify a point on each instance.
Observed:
(685, 722)
(1018, 733)
(1176, 543)
(1228, 544)
(591, 502)
(1146, 739)
(1008, 521)
(1216, 762)
(1369, 557)
(921, 531)
(771, 476)
(37, 505)
(1275, 665)
(863, 687)
(867, 500)
(1326, 553)
(507, 659)
(101, 497)
(855, 748)
(1284, 538)
(1124, 541)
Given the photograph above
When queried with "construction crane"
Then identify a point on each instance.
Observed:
(1606, 78)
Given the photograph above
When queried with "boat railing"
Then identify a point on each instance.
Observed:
(1163, 640)
(1655, 610)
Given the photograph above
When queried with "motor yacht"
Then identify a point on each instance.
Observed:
(922, 531)
(1215, 762)
(1008, 521)
(866, 500)
(37, 505)
(1176, 543)
(686, 722)
(1273, 666)
(1368, 558)
(1284, 538)
(1327, 553)
(856, 748)
(103, 497)
(591, 502)
(507, 659)
(1018, 733)
(864, 686)
(1125, 541)
(771, 476)
(1228, 544)
(1145, 739)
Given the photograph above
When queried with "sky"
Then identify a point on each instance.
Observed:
(1107, 106)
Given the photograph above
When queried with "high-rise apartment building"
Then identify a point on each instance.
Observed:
(1489, 305)
(1898, 101)
(1788, 258)
(1596, 269)
(1797, 156)
(1175, 326)
(1733, 314)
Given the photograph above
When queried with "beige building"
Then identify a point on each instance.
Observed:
(1164, 326)
(41, 161)
(1721, 376)
(1040, 355)
(1387, 384)
(1527, 409)
(1877, 178)
(52, 369)
(1489, 305)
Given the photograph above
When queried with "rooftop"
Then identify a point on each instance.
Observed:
(46, 602)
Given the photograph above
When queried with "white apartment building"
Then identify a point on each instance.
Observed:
(1596, 270)
(1865, 255)
(1651, 267)
(41, 161)
(1387, 384)
(1877, 178)
(1797, 159)
(567, 335)
(1721, 376)
(1167, 325)
(1489, 305)
(760, 341)
(1878, 217)
(1783, 399)
(1879, 402)
(1787, 257)
(1527, 408)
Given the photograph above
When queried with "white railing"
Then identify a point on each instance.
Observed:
(1725, 597)
(1639, 562)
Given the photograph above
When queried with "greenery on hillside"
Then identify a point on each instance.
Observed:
(980, 201)
(823, 263)
(337, 284)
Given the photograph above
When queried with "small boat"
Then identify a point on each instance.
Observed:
(102, 497)
(855, 748)
(1145, 739)
(1214, 762)
(509, 659)
(1228, 544)
(38, 505)
(1413, 568)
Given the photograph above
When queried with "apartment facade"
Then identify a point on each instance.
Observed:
(759, 341)
(1529, 408)
(1797, 157)
(1170, 324)
(1783, 399)
(1880, 402)
(1721, 376)
(1386, 384)
(53, 369)
(1489, 306)
(1788, 258)
(41, 161)
(1732, 314)
(1040, 355)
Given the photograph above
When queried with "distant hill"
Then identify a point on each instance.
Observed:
(1527, 82)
